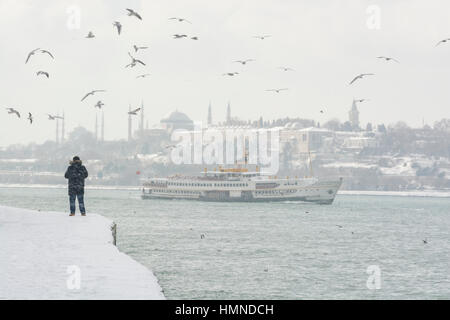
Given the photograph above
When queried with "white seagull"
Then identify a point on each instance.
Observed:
(30, 117)
(99, 104)
(388, 59)
(262, 37)
(134, 112)
(50, 117)
(180, 20)
(442, 41)
(43, 73)
(362, 75)
(133, 13)
(286, 69)
(13, 111)
(136, 48)
(38, 50)
(118, 25)
(92, 93)
(143, 75)
(179, 36)
(230, 74)
(134, 62)
(277, 90)
(243, 62)
(90, 35)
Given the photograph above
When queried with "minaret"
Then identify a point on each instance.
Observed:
(57, 129)
(130, 134)
(96, 128)
(103, 127)
(141, 126)
(229, 113)
(209, 115)
(353, 116)
(63, 129)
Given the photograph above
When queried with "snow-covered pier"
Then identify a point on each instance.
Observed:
(47, 255)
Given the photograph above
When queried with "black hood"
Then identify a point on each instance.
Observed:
(76, 162)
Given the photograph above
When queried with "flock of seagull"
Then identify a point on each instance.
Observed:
(134, 62)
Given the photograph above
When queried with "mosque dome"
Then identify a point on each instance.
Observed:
(177, 120)
(176, 117)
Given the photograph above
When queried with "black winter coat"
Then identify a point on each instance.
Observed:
(76, 173)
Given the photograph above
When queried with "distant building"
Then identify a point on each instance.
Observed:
(353, 116)
(305, 140)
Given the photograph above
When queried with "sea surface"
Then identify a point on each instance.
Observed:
(282, 250)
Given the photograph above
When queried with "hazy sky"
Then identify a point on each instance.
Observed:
(326, 42)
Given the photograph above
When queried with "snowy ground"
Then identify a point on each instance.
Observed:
(53, 256)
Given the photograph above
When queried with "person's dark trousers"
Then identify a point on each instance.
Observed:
(72, 199)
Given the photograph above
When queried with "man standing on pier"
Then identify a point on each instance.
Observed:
(76, 173)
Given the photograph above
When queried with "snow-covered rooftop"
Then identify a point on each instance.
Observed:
(53, 256)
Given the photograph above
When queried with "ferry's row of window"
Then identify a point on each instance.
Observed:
(276, 192)
(176, 191)
(188, 184)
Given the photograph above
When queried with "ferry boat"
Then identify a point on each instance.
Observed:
(239, 184)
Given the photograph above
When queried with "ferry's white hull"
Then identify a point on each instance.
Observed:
(317, 191)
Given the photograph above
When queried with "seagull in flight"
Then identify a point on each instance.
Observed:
(134, 112)
(180, 20)
(30, 117)
(230, 74)
(132, 13)
(179, 36)
(136, 48)
(32, 53)
(286, 69)
(92, 93)
(262, 37)
(43, 73)
(13, 111)
(388, 59)
(143, 75)
(442, 41)
(90, 35)
(277, 90)
(134, 62)
(194, 38)
(362, 75)
(243, 62)
(118, 25)
(425, 241)
(50, 117)
(99, 104)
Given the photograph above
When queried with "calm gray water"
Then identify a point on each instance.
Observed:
(276, 250)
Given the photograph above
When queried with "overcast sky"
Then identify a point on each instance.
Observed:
(326, 42)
